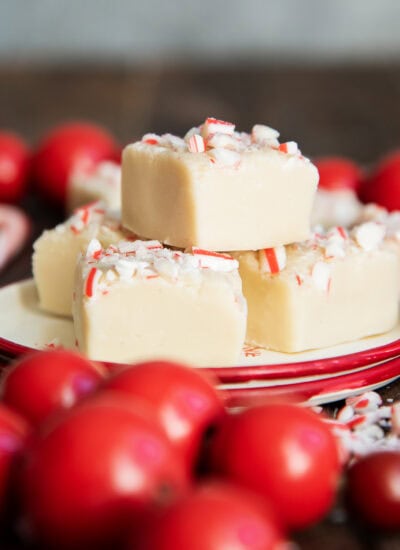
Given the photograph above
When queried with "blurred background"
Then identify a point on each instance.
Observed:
(323, 72)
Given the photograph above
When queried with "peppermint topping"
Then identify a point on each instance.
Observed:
(321, 276)
(364, 425)
(264, 135)
(84, 215)
(290, 147)
(369, 235)
(224, 145)
(148, 259)
(92, 281)
(214, 260)
(94, 249)
(215, 126)
(223, 141)
(196, 144)
(272, 260)
(225, 157)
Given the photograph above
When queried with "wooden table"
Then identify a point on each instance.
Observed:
(352, 111)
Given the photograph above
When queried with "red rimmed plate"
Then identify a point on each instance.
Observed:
(315, 390)
(23, 327)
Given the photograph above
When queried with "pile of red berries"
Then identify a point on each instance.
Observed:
(149, 458)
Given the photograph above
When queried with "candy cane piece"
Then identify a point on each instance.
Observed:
(214, 126)
(92, 281)
(272, 260)
(290, 147)
(196, 144)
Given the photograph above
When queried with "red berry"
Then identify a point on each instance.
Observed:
(383, 185)
(14, 167)
(373, 489)
(215, 516)
(338, 173)
(285, 453)
(96, 473)
(44, 382)
(66, 148)
(184, 400)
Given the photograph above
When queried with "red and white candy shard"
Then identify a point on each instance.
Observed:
(290, 148)
(92, 281)
(369, 235)
(264, 135)
(368, 401)
(364, 426)
(225, 157)
(215, 126)
(214, 260)
(151, 139)
(224, 141)
(14, 232)
(196, 144)
(272, 260)
(321, 275)
(94, 249)
(84, 215)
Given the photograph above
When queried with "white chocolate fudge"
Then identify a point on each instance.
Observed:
(140, 301)
(56, 252)
(333, 288)
(218, 189)
(101, 183)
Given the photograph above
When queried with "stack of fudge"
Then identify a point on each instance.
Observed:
(213, 248)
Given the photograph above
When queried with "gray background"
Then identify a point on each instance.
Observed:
(202, 31)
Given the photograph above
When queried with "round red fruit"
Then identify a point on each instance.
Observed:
(383, 185)
(185, 401)
(14, 167)
(285, 453)
(13, 435)
(215, 516)
(97, 473)
(44, 382)
(338, 174)
(373, 489)
(76, 145)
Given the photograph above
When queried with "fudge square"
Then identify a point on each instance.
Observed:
(139, 301)
(333, 288)
(218, 189)
(56, 253)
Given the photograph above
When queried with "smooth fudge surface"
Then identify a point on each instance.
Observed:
(101, 183)
(218, 189)
(140, 301)
(333, 288)
(56, 253)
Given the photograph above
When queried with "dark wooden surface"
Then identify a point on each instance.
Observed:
(350, 111)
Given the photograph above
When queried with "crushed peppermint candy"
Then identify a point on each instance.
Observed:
(85, 215)
(215, 126)
(147, 259)
(92, 280)
(196, 144)
(290, 148)
(321, 276)
(215, 260)
(225, 157)
(264, 134)
(216, 137)
(365, 425)
(369, 235)
(272, 260)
